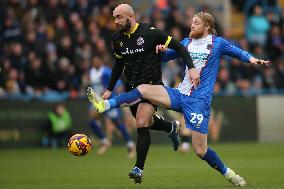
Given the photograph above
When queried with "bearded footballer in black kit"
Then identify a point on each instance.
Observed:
(136, 57)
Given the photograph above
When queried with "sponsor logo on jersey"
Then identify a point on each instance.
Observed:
(199, 56)
(132, 51)
(140, 41)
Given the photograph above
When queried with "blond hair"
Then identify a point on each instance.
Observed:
(209, 21)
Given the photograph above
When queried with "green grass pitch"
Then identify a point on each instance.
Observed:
(262, 165)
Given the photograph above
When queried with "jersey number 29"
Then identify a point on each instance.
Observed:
(196, 117)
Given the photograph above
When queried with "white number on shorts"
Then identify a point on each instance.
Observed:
(195, 116)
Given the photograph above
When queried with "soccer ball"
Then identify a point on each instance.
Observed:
(79, 145)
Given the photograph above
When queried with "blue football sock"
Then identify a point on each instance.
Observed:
(124, 132)
(214, 161)
(126, 99)
(95, 126)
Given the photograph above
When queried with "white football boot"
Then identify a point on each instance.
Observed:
(233, 178)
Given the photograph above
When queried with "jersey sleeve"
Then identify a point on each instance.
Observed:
(235, 52)
(171, 54)
(160, 38)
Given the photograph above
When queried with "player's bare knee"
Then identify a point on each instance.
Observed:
(199, 151)
(141, 122)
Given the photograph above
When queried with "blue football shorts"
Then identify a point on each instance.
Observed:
(196, 110)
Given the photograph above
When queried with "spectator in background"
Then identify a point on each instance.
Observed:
(35, 76)
(273, 18)
(59, 127)
(12, 85)
(269, 79)
(257, 27)
(81, 29)
(65, 47)
(224, 85)
(17, 57)
(259, 51)
(275, 42)
(11, 27)
(63, 80)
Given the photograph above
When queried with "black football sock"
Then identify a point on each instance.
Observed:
(142, 146)
(160, 124)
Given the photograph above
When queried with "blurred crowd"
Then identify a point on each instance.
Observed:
(47, 47)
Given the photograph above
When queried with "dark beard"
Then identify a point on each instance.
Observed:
(127, 27)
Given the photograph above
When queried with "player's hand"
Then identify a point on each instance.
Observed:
(106, 95)
(194, 77)
(258, 61)
(160, 48)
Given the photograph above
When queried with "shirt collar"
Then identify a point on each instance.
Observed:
(132, 31)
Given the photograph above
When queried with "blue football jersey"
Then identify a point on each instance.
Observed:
(206, 54)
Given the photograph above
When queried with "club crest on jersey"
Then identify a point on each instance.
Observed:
(140, 41)
(121, 44)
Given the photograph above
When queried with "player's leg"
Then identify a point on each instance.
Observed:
(197, 119)
(156, 94)
(173, 103)
(172, 128)
(199, 144)
(95, 125)
(197, 115)
(144, 115)
(184, 134)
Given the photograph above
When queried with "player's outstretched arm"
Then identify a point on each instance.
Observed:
(235, 52)
(253, 60)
